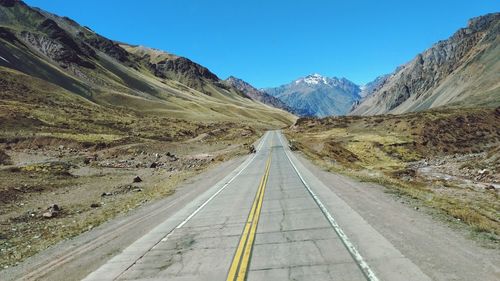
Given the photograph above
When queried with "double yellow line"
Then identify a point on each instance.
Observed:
(239, 266)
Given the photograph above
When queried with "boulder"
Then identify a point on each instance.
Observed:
(490, 187)
(252, 149)
(52, 211)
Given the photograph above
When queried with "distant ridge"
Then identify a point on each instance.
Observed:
(318, 96)
(256, 94)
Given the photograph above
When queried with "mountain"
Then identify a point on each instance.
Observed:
(370, 87)
(255, 94)
(58, 52)
(462, 71)
(315, 95)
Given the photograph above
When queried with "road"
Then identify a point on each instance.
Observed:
(310, 225)
(269, 219)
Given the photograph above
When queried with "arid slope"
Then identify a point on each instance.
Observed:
(462, 71)
(116, 75)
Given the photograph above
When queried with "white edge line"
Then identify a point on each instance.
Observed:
(242, 167)
(349, 245)
(4, 59)
(222, 188)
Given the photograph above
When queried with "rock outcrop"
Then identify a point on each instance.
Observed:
(180, 66)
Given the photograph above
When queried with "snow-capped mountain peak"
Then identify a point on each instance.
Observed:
(313, 79)
(316, 95)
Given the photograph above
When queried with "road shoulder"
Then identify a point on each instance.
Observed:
(439, 251)
(145, 219)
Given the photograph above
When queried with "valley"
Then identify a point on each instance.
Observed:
(123, 162)
(82, 116)
(84, 158)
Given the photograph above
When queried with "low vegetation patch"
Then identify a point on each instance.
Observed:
(66, 151)
(446, 159)
(4, 158)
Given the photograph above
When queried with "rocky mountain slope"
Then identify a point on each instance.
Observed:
(370, 87)
(256, 94)
(315, 95)
(59, 51)
(462, 71)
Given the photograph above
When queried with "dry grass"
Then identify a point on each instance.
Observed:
(382, 149)
(47, 133)
(4, 158)
(27, 190)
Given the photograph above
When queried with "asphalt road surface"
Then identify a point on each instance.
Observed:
(269, 219)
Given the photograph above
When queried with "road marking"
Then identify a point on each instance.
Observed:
(4, 59)
(241, 259)
(99, 241)
(222, 188)
(365, 268)
(106, 237)
(241, 168)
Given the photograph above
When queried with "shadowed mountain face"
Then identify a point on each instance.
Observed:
(318, 96)
(369, 88)
(256, 94)
(59, 51)
(462, 71)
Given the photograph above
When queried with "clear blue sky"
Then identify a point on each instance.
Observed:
(269, 43)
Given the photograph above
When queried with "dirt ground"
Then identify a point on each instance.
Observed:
(448, 159)
(443, 251)
(55, 189)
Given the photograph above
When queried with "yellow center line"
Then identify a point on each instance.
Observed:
(239, 266)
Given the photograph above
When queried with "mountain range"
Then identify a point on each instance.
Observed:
(460, 71)
(40, 48)
(315, 95)
(255, 94)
